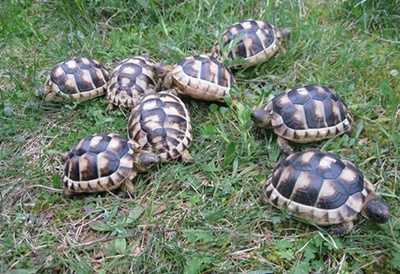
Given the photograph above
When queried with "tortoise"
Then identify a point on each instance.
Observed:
(78, 78)
(160, 123)
(130, 80)
(103, 162)
(250, 42)
(201, 77)
(304, 114)
(325, 189)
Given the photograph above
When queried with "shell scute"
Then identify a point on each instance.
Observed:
(177, 124)
(286, 184)
(86, 64)
(100, 162)
(79, 78)
(88, 167)
(306, 193)
(130, 80)
(117, 145)
(66, 84)
(161, 123)
(107, 164)
(312, 92)
(83, 80)
(190, 67)
(70, 66)
(317, 186)
(328, 166)
(300, 96)
(314, 115)
(338, 112)
(96, 145)
(304, 114)
(202, 77)
(72, 169)
(224, 76)
(255, 41)
(352, 179)
(153, 119)
(332, 195)
(208, 73)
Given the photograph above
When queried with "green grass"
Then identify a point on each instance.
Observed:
(203, 218)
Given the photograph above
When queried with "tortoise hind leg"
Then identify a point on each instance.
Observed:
(110, 107)
(68, 193)
(342, 228)
(186, 157)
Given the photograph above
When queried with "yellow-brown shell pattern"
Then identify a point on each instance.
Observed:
(308, 113)
(99, 162)
(161, 123)
(78, 78)
(203, 77)
(130, 80)
(317, 186)
(254, 42)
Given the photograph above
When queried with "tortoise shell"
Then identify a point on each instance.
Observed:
(130, 80)
(250, 42)
(305, 113)
(317, 186)
(101, 162)
(161, 123)
(201, 77)
(78, 78)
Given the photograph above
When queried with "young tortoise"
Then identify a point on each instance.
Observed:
(160, 122)
(200, 77)
(322, 188)
(78, 78)
(304, 114)
(250, 42)
(130, 80)
(103, 162)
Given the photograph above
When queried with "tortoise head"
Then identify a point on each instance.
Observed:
(376, 210)
(262, 116)
(46, 91)
(144, 160)
(161, 70)
(283, 34)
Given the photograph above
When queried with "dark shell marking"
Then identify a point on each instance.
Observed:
(80, 78)
(309, 113)
(130, 80)
(255, 41)
(98, 162)
(317, 186)
(203, 77)
(161, 123)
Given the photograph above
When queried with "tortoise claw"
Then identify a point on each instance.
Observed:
(342, 228)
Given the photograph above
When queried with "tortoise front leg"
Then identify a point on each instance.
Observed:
(342, 228)
(284, 145)
(128, 187)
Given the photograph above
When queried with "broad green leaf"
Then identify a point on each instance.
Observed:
(211, 168)
(120, 245)
(134, 214)
(229, 153)
(209, 130)
(100, 226)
